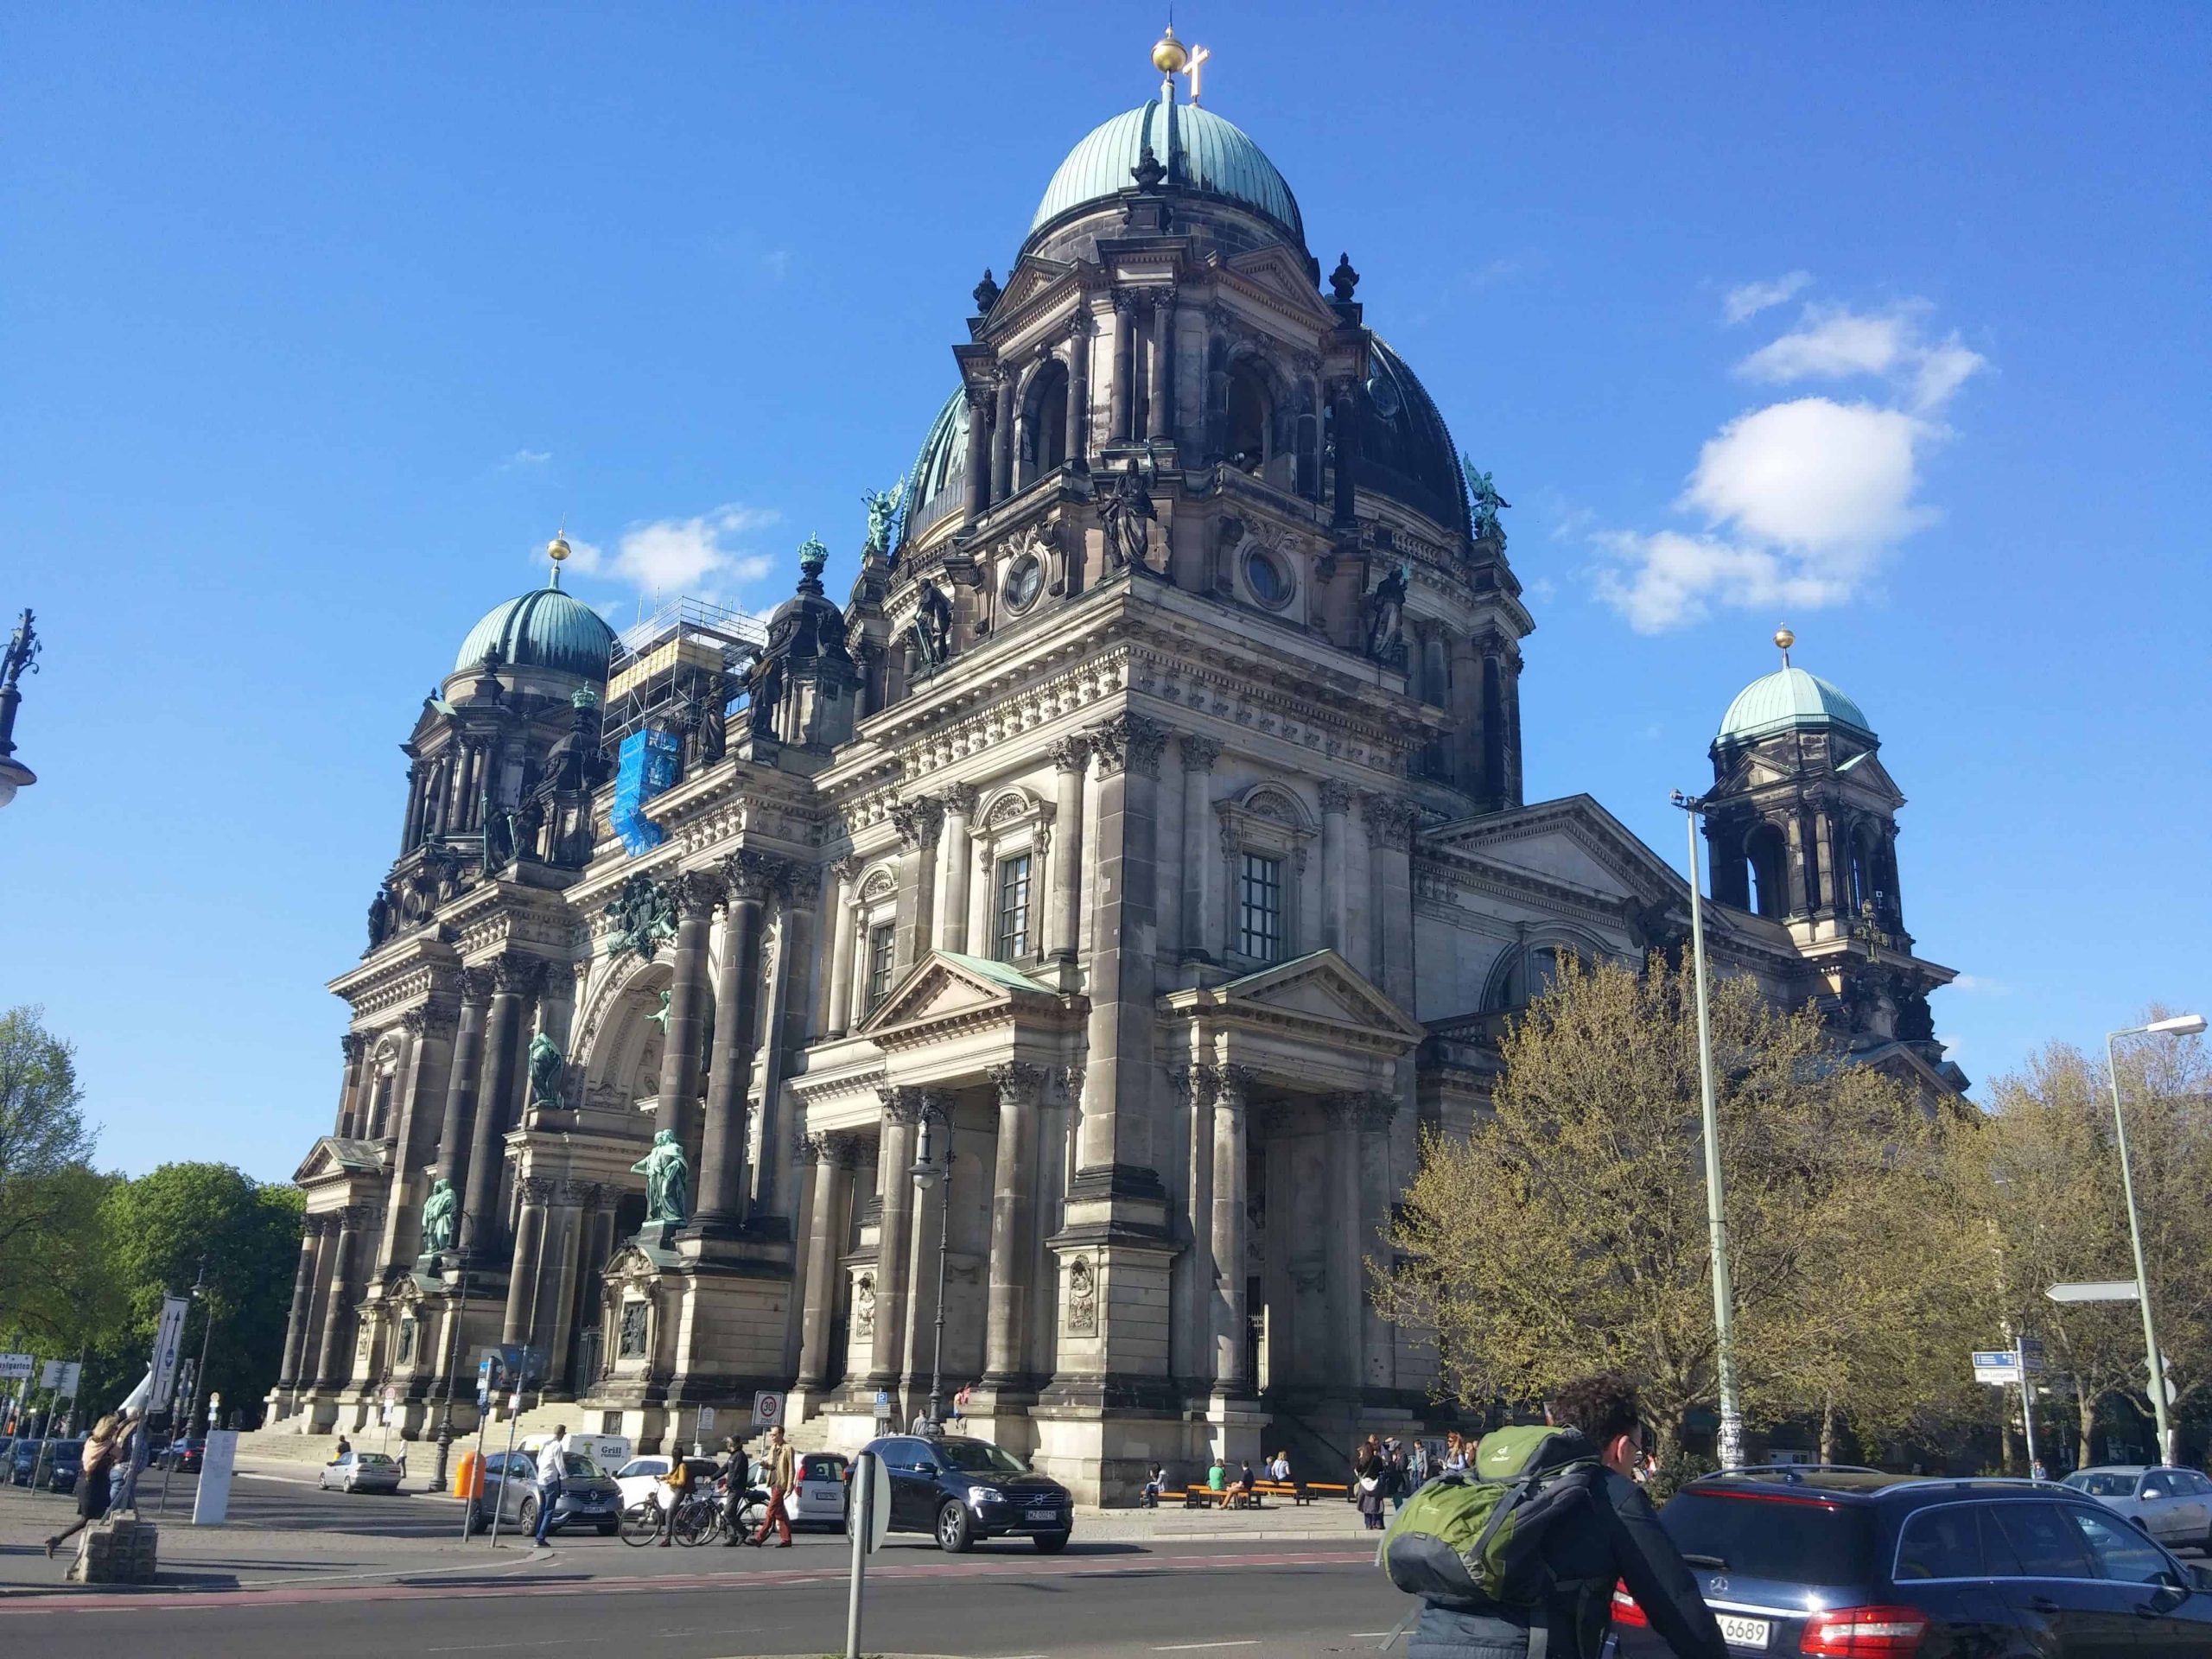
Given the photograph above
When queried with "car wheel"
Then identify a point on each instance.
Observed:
(955, 1532)
(474, 1524)
(527, 1519)
(323, 1482)
(1051, 1543)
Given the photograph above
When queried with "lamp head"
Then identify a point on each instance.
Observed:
(2181, 1024)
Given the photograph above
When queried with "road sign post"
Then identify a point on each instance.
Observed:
(869, 1516)
(767, 1409)
(2027, 1395)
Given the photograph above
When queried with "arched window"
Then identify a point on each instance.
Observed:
(1044, 424)
(1864, 879)
(1768, 854)
(1249, 412)
(1529, 974)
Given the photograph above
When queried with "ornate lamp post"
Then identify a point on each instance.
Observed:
(21, 653)
(926, 1172)
(453, 1342)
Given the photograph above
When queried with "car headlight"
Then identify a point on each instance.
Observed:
(980, 1495)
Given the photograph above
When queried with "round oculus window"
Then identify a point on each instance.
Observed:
(1025, 580)
(1268, 579)
(1383, 392)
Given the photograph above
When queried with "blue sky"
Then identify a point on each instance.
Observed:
(318, 321)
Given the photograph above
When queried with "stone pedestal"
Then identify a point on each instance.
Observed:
(116, 1550)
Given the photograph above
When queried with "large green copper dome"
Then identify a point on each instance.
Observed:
(544, 629)
(1199, 149)
(1788, 700)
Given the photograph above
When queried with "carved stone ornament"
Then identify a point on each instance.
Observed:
(1082, 1299)
(695, 894)
(1018, 1082)
(750, 874)
(864, 1306)
(918, 821)
(1336, 797)
(1071, 753)
(1128, 742)
(1199, 753)
(642, 914)
(901, 1104)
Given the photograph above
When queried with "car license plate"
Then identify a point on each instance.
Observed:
(1745, 1632)
(1046, 1515)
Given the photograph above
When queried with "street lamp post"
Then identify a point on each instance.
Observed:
(2181, 1024)
(925, 1172)
(1716, 1216)
(21, 654)
(445, 1410)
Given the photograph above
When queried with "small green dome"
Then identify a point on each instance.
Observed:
(1199, 149)
(1789, 700)
(544, 629)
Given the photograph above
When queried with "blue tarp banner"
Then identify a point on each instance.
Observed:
(647, 764)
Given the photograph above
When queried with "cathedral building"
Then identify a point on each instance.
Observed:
(1032, 974)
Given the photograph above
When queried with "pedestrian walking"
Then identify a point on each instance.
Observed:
(783, 1470)
(1368, 1471)
(1579, 1524)
(107, 1438)
(552, 1477)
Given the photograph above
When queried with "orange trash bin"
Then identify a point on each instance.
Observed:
(468, 1476)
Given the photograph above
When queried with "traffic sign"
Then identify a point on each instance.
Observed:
(878, 1502)
(706, 1422)
(17, 1368)
(1997, 1367)
(767, 1409)
(2102, 1290)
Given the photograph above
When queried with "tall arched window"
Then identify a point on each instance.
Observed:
(1767, 853)
(1250, 413)
(1044, 424)
(1865, 881)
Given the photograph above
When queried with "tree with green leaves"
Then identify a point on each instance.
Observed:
(1568, 1231)
(45, 1149)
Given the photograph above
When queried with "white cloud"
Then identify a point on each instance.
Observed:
(699, 557)
(526, 458)
(1802, 500)
(1975, 985)
(1745, 303)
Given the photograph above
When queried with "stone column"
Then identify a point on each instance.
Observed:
(1377, 1187)
(1231, 1374)
(1129, 361)
(1512, 726)
(696, 893)
(979, 460)
(353, 1046)
(1003, 436)
(902, 1110)
(1014, 1222)
(1336, 877)
(1159, 384)
(529, 1247)
(1199, 901)
(1070, 755)
(746, 877)
(927, 1226)
(1192, 1337)
(331, 1365)
(919, 822)
(1346, 1243)
(303, 1283)
(1467, 695)
(462, 1084)
(1120, 1068)
(830, 1159)
(514, 980)
(951, 931)
(837, 1017)
(788, 1031)
(411, 822)
(1344, 438)
(423, 1033)
(1079, 386)
(1390, 822)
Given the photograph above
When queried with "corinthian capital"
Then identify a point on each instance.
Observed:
(697, 893)
(1018, 1081)
(918, 821)
(1071, 753)
(1129, 742)
(517, 975)
(901, 1104)
(750, 874)
(1199, 753)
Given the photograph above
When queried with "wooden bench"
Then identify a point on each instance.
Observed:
(1205, 1498)
(1313, 1490)
(1279, 1488)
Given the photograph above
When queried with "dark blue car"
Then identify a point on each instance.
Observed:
(23, 1457)
(1835, 1562)
(965, 1490)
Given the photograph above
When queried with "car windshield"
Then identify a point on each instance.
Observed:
(371, 1461)
(2097, 1485)
(581, 1467)
(1803, 1539)
(981, 1458)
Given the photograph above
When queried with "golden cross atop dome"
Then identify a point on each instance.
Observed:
(1171, 58)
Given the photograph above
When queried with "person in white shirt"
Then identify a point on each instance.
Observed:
(552, 1476)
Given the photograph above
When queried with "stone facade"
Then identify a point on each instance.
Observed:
(1146, 833)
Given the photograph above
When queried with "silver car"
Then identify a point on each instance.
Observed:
(359, 1471)
(2173, 1505)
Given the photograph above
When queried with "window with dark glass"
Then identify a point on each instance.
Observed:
(1259, 908)
(1011, 936)
(882, 944)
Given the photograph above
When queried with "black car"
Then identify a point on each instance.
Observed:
(64, 1461)
(1854, 1562)
(185, 1457)
(964, 1490)
(23, 1458)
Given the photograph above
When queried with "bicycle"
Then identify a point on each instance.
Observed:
(641, 1522)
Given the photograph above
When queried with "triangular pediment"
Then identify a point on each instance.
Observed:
(1865, 772)
(1283, 277)
(1030, 278)
(1321, 990)
(946, 985)
(1572, 840)
(333, 1158)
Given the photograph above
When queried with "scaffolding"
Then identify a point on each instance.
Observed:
(670, 679)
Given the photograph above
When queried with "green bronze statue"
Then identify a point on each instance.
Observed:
(440, 1211)
(668, 1180)
(546, 1070)
(882, 508)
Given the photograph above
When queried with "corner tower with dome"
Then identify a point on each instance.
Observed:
(1033, 975)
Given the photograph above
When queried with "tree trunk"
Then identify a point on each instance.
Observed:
(2005, 1431)
(2087, 1405)
(1828, 1429)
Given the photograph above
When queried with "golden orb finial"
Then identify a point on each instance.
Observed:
(1168, 55)
(1784, 639)
(558, 549)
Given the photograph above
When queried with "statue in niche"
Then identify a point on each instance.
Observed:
(380, 917)
(659, 1015)
(933, 627)
(546, 1069)
(766, 691)
(668, 1180)
(864, 1306)
(1386, 617)
(1125, 514)
(440, 1212)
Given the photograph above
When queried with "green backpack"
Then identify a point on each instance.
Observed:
(1474, 1538)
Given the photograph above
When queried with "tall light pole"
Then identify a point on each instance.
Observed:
(2181, 1024)
(20, 654)
(926, 1173)
(1716, 1215)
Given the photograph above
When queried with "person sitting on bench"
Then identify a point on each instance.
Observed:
(1154, 1486)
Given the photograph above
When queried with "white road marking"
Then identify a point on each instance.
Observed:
(1194, 1647)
